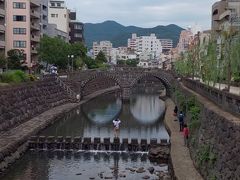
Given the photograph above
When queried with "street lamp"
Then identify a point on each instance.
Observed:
(70, 56)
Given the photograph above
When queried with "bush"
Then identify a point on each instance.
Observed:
(14, 77)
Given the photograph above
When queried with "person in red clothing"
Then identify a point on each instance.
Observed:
(185, 134)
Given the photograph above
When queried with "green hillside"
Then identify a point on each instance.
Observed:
(118, 34)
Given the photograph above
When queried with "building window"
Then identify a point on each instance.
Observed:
(54, 15)
(78, 26)
(58, 4)
(78, 35)
(18, 5)
(19, 18)
(19, 30)
(52, 4)
(19, 44)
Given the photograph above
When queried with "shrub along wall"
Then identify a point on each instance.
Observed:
(21, 102)
(214, 137)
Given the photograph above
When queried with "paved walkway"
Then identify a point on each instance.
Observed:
(181, 160)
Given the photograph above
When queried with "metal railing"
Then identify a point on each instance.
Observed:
(70, 92)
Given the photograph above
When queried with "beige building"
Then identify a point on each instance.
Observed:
(59, 14)
(104, 46)
(23, 28)
(2, 26)
(225, 14)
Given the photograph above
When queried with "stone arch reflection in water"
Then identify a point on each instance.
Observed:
(146, 109)
(94, 119)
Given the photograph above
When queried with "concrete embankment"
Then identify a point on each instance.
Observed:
(13, 142)
(182, 163)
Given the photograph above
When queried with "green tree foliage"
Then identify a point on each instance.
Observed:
(15, 58)
(54, 51)
(212, 62)
(101, 58)
(129, 62)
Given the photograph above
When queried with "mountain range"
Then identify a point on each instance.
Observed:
(119, 34)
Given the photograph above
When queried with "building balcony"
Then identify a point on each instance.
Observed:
(35, 14)
(2, 44)
(225, 14)
(35, 38)
(2, 29)
(35, 3)
(2, 12)
(34, 50)
(35, 26)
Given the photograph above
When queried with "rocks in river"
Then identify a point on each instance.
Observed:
(92, 178)
(146, 177)
(151, 169)
(108, 177)
(122, 175)
(140, 170)
(100, 175)
(158, 153)
(131, 169)
(78, 174)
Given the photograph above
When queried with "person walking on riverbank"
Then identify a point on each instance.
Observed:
(185, 134)
(116, 124)
(181, 120)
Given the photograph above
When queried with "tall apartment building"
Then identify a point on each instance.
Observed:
(185, 39)
(225, 14)
(104, 46)
(2, 26)
(167, 44)
(44, 16)
(145, 43)
(58, 19)
(23, 28)
(76, 29)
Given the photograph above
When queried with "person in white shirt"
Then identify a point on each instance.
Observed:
(116, 124)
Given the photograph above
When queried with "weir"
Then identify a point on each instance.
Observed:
(52, 143)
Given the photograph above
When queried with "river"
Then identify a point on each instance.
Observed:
(141, 118)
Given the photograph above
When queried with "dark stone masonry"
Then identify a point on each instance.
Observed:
(21, 103)
(215, 145)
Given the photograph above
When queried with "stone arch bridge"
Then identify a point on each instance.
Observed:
(89, 81)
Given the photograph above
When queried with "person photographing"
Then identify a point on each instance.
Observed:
(116, 124)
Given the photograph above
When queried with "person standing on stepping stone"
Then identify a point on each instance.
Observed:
(116, 124)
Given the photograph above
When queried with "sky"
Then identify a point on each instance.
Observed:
(145, 13)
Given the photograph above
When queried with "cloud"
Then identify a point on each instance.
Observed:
(144, 13)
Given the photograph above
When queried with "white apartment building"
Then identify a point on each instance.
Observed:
(167, 44)
(145, 43)
(59, 14)
(122, 53)
(104, 46)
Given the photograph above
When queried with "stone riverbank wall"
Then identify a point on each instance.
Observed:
(13, 142)
(22, 102)
(214, 133)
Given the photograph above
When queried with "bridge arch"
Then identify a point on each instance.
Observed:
(158, 76)
(98, 81)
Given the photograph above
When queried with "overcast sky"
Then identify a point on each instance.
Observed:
(144, 13)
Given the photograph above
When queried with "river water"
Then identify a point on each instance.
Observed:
(141, 118)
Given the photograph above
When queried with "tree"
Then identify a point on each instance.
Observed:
(54, 51)
(91, 63)
(101, 58)
(15, 58)
(132, 62)
(78, 50)
(3, 61)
